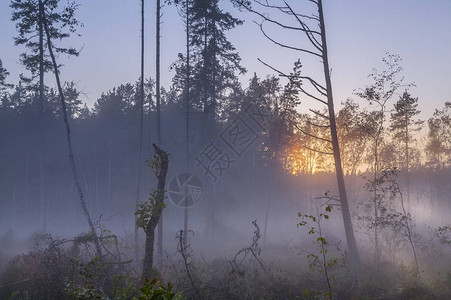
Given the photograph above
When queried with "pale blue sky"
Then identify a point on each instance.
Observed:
(359, 32)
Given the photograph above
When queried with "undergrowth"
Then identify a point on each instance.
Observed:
(68, 269)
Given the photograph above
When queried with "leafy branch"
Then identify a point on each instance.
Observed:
(320, 262)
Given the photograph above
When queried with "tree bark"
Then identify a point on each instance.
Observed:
(110, 167)
(41, 115)
(185, 212)
(157, 87)
(319, 50)
(407, 163)
(350, 238)
(148, 271)
(273, 170)
(141, 119)
(205, 62)
(41, 57)
(157, 77)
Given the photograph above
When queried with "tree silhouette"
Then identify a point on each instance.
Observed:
(3, 74)
(187, 105)
(214, 61)
(320, 92)
(402, 125)
(378, 94)
(141, 120)
(150, 215)
(158, 100)
(29, 16)
(439, 138)
(68, 21)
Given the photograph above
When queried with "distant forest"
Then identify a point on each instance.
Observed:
(36, 174)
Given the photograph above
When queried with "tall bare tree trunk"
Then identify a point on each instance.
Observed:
(407, 164)
(375, 204)
(205, 63)
(185, 212)
(42, 200)
(41, 58)
(41, 117)
(157, 77)
(213, 79)
(157, 82)
(110, 166)
(319, 49)
(69, 142)
(141, 119)
(273, 168)
(41, 55)
(96, 180)
(350, 238)
(27, 180)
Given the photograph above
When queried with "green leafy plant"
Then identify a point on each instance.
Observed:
(396, 224)
(391, 227)
(155, 163)
(153, 290)
(83, 282)
(319, 262)
(145, 210)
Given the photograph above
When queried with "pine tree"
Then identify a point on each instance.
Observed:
(213, 58)
(29, 16)
(3, 74)
(438, 146)
(402, 124)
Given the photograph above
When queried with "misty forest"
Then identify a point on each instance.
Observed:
(208, 186)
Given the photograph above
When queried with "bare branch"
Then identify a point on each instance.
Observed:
(312, 17)
(183, 247)
(248, 8)
(313, 97)
(290, 77)
(283, 45)
(331, 198)
(118, 262)
(286, 10)
(317, 125)
(313, 136)
(315, 84)
(22, 281)
(319, 151)
(319, 114)
(307, 30)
